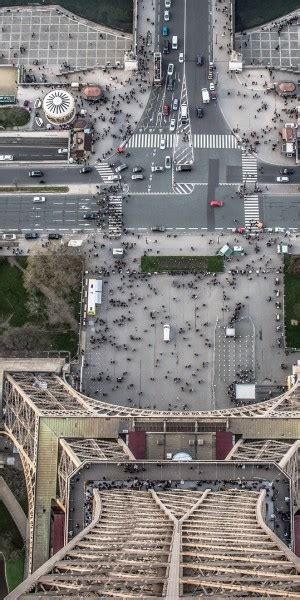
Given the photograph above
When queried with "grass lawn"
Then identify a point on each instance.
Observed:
(116, 14)
(292, 304)
(14, 116)
(15, 571)
(19, 189)
(195, 264)
(11, 546)
(13, 296)
(250, 13)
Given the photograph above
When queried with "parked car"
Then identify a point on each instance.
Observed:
(35, 173)
(7, 236)
(216, 203)
(211, 87)
(32, 235)
(54, 236)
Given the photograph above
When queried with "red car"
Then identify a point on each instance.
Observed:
(166, 110)
(215, 203)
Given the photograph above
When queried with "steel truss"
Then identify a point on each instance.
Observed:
(175, 544)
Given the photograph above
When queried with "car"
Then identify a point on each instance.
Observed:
(165, 110)
(199, 59)
(90, 216)
(170, 83)
(211, 87)
(6, 157)
(166, 47)
(170, 69)
(173, 124)
(175, 104)
(39, 121)
(168, 162)
(181, 57)
(162, 143)
(39, 199)
(165, 30)
(139, 176)
(166, 15)
(37, 103)
(286, 171)
(167, 3)
(114, 177)
(26, 103)
(8, 236)
(213, 95)
(284, 179)
(85, 170)
(277, 293)
(121, 168)
(32, 235)
(216, 203)
(199, 112)
(157, 169)
(35, 173)
(277, 317)
(54, 236)
(63, 151)
(137, 169)
(158, 228)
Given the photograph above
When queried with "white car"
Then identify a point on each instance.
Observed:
(39, 121)
(168, 162)
(166, 15)
(114, 177)
(211, 87)
(170, 69)
(163, 143)
(38, 103)
(172, 124)
(7, 236)
(167, 3)
(63, 151)
(181, 57)
(6, 157)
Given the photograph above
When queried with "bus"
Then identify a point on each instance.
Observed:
(94, 296)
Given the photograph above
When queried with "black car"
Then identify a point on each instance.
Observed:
(54, 236)
(32, 235)
(158, 228)
(199, 60)
(199, 112)
(137, 169)
(85, 170)
(287, 171)
(166, 47)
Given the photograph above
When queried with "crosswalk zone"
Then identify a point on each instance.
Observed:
(199, 140)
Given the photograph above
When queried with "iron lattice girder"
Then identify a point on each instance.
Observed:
(271, 570)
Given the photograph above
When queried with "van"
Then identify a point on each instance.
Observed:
(183, 167)
(118, 252)
(174, 42)
(39, 199)
(205, 96)
(184, 113)
(282, 179)
(166, 329)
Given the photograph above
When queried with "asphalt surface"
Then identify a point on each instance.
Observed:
(33, 149)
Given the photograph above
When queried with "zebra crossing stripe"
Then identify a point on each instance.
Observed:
(251, 210)
(213, 140)
(105, 170)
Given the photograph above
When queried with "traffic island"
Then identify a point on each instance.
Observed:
(63, 189)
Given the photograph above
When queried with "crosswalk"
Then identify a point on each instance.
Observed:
(105, 171)
(115, 216)
(251, 210)
(199, 140)
(249, 167)
(183, 188)
(212, 140)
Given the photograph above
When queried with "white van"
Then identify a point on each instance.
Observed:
(39, 199)
(282, 179)
(6, 157)
(166, 332)
(174, 42)
(184, 113)
(118, 252)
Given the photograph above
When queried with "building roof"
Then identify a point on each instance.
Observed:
(92, 91)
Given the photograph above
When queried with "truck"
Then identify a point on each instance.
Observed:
(205, 96)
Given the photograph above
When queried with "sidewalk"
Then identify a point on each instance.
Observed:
(251, 112)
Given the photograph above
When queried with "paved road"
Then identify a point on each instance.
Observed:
(59, 212)
(33, 149)
(63, 174)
